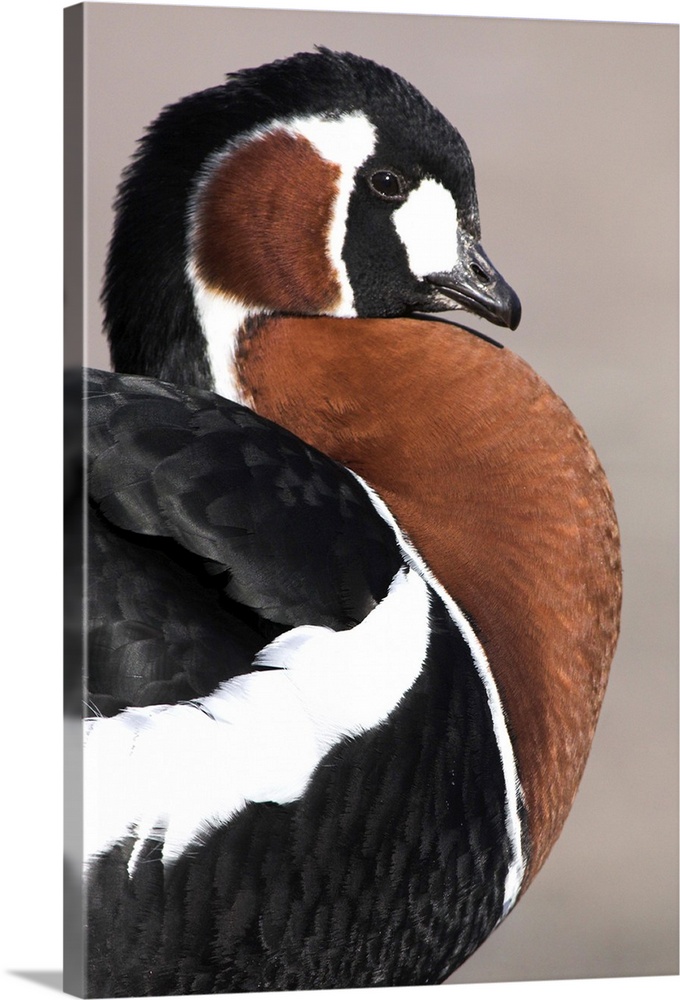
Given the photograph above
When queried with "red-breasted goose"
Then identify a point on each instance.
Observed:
(352, 612)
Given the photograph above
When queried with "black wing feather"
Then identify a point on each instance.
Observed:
(211, 531)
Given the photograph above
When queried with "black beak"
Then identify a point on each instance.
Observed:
(477, 286)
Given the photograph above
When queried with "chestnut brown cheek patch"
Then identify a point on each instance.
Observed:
(262, 226)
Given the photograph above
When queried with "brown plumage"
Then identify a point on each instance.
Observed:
(257, 239)
(491, 476)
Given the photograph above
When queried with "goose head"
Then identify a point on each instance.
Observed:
(318, 185)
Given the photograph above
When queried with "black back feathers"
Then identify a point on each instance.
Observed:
(212, 530)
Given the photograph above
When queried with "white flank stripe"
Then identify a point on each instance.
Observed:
(427, 225)
(171, 772)
(513, 789)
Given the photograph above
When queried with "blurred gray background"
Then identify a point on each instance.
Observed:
(573, 128)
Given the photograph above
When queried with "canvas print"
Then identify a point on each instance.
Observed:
(353, 579)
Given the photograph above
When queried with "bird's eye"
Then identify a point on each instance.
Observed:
(387, 184)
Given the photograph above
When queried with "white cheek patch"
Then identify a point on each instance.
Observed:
(427, 225)
(173, 772)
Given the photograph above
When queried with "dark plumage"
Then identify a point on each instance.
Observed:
(193, 495)
(212, 531)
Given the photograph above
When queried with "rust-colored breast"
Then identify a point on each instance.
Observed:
(495, 482)
(261, 225)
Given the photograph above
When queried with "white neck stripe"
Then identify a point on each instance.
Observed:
(513, 790)
(221, 317)
(346, 142)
